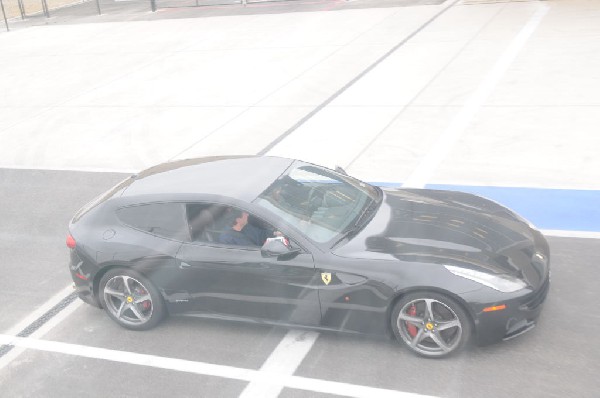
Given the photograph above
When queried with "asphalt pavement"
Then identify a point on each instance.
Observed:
(536, 364)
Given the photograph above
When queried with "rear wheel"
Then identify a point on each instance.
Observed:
(430, 324)
(131, 300)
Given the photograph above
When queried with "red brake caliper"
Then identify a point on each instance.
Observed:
(412, 329)
(145, 304)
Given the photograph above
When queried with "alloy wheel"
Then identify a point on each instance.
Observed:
(128, 300)
(429, 327)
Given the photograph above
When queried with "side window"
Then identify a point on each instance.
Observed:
(206, 221)
(214, 223)
(162, 219)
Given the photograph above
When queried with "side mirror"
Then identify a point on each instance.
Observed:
(278, 246)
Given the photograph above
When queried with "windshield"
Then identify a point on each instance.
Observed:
(320, 203)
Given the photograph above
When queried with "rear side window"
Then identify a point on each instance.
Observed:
(163, 219)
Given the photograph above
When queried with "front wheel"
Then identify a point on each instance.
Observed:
(131, 300)
(430, 324)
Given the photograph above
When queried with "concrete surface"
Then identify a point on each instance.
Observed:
(107, 95)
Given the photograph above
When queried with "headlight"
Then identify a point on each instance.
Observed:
(501, 283)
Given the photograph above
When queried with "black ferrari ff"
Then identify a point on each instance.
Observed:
(311, 247)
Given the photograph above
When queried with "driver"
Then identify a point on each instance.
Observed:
(244, 234)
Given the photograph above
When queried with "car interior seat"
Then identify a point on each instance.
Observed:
(203, 221)
(219, 214)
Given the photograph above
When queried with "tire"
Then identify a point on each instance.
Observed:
(131, 300)
(430, 324)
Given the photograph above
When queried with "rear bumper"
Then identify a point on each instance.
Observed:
(83, 281)
(87, 296)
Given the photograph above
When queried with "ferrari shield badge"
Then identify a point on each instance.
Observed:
(326, 276)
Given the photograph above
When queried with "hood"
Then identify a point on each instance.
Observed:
(452, 228)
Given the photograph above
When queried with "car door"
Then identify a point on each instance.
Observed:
(352, 298)
(239, 282)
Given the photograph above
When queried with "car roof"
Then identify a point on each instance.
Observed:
(238, 177)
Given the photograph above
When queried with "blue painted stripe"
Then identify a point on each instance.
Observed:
(560, 209)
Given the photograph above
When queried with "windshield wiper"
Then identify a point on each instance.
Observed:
(348, 233)
(353, 229)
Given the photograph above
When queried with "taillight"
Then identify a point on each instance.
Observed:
(71, 242)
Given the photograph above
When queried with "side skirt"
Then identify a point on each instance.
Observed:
(264, 322)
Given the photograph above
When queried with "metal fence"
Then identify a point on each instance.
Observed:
(14, 11)
(25, 8)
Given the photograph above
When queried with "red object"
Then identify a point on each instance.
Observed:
(71, 242)
(412, 329)
(145, 304)
(83, 277)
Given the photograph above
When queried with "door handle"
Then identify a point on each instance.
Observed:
(184, 265)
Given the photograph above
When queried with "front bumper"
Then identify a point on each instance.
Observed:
(520, 315)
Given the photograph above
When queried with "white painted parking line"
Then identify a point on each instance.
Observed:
(207, 369)
(450, 136)
(55, 320)
(571, 234)
(41, 310)
(283, 361)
